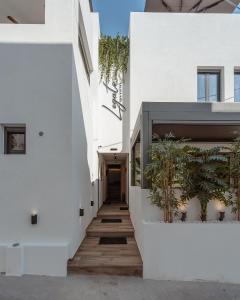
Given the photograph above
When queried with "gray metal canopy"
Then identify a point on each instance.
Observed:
(203, 122)
(191, 6)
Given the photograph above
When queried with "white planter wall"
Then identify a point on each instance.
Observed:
(192, 251)
(184, 251)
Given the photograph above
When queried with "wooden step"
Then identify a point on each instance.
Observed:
(113, 211)
(108, 259)
(99, 229)
(92, 258)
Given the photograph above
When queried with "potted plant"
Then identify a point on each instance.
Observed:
(165, 172)
(206, 177)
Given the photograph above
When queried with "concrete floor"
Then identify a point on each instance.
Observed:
(111, 288)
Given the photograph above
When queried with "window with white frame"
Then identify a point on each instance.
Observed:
(208, 86)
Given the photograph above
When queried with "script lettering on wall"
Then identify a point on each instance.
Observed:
(117, 108)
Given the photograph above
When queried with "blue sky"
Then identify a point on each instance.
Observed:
(114, 14)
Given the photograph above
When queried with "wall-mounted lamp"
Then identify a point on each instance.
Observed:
(92, 203)
(183, 210)
(34, 218)
(184, 216)
(81, 212)
(221, 216)
(221, 211)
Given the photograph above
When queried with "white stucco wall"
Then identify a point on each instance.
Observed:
(165, 53)
(166, 50)
(36, 85)
(44, 85)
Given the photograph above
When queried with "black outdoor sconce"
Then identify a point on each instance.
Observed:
(34, 219)
(81, 212)
(221, 216)
(184, 216)
(92, 203)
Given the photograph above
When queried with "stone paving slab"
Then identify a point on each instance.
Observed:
(80, 287)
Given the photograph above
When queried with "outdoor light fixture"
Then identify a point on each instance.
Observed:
(221, 216)
(184, 216)
(81, 212)
(221, 210)
(34, 218)
(13, 20)
(183, 210)
(92, 203)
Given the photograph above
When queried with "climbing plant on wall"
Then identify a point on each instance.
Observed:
(113, 57)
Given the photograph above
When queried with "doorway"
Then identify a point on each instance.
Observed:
(113, 178)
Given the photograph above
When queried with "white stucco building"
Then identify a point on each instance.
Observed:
(69, 133)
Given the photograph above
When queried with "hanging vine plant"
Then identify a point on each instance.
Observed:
(113, 57)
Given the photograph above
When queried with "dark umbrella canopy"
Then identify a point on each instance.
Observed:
(191, 6)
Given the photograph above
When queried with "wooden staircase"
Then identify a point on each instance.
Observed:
(109, 259)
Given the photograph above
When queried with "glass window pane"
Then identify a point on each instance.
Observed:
(136, 163)
(237, 87)
(213, 87)
(137, 168)
(14, 140)
(201, 88)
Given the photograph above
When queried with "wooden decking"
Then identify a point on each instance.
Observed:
(112, 259)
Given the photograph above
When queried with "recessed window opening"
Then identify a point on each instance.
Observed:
(14, 139)
(208, 86)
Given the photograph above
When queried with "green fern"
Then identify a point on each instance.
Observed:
(207, 177)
